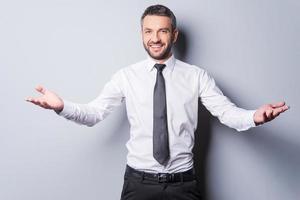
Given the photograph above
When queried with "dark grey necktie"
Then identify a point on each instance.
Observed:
(160, 126)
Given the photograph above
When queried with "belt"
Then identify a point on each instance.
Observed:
(162, 177)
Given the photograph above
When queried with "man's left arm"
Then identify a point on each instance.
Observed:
(228, 113)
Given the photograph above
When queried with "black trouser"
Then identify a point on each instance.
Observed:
(146, 186)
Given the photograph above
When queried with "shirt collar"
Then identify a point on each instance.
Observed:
(170, 63)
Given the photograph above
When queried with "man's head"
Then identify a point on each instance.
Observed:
(159, 31)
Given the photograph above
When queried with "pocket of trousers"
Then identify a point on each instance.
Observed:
(191, 187)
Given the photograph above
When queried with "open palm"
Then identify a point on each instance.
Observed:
(269, 112)
(48, 99)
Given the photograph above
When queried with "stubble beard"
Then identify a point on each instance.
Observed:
(163, 55)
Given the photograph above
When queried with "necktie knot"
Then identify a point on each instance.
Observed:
(159, 67)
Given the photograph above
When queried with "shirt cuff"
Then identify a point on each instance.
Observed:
(251, 118)
(67, 110)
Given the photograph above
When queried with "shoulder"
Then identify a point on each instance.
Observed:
(140, 65)
(190, 68)
(130, 68)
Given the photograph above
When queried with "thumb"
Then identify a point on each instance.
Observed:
(40, 89)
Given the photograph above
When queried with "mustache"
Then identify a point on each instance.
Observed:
(151, 43)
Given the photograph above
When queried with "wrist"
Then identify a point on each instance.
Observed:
(59, 108)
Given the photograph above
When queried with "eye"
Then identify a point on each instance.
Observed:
(147, 31)
(165, 31)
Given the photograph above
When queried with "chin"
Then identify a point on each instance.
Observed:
(161, 55)
(158, 56)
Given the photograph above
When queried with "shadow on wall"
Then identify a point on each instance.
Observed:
(202, 145)
(203, 131)
(181, 46)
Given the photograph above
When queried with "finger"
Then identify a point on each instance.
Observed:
(40, 89)
(31, 99)
(277, 112)
(286, 108)
(42, 104)
(269, 113)
(45, 104)
(28, 99)
(35, 101)
(265, 117)
(278, 104)
(280, 110)
(38, 102)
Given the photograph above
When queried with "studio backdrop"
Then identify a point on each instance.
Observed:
(251, 48)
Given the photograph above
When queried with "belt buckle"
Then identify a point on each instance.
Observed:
(163, 177)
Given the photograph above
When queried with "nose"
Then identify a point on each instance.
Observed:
(155, 37)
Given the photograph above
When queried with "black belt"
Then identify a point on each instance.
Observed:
(161, 177)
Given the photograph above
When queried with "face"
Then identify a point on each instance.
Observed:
(158, 36)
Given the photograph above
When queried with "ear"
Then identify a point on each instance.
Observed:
(175, 35)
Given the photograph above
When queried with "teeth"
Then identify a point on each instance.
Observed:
(155, 46)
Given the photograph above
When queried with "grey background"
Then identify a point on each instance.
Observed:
(251, 48)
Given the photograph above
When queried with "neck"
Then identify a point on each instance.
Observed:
(161, 61)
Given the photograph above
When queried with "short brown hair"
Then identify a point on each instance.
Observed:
(160, 10)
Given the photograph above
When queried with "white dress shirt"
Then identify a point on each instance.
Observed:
(185, 83)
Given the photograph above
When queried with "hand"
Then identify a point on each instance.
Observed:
(269, 112)
(48, 100)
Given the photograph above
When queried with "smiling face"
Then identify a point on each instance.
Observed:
(158, 36)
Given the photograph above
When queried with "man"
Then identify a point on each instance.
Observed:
(161, 95)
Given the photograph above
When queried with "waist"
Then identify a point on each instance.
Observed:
(161, 177)
(143, 160)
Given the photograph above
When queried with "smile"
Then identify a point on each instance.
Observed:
(156, 46)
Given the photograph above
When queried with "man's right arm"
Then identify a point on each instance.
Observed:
(87, 114)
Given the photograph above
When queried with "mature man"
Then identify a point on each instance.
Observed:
(161, 96)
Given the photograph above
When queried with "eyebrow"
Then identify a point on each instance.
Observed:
(165, 29)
